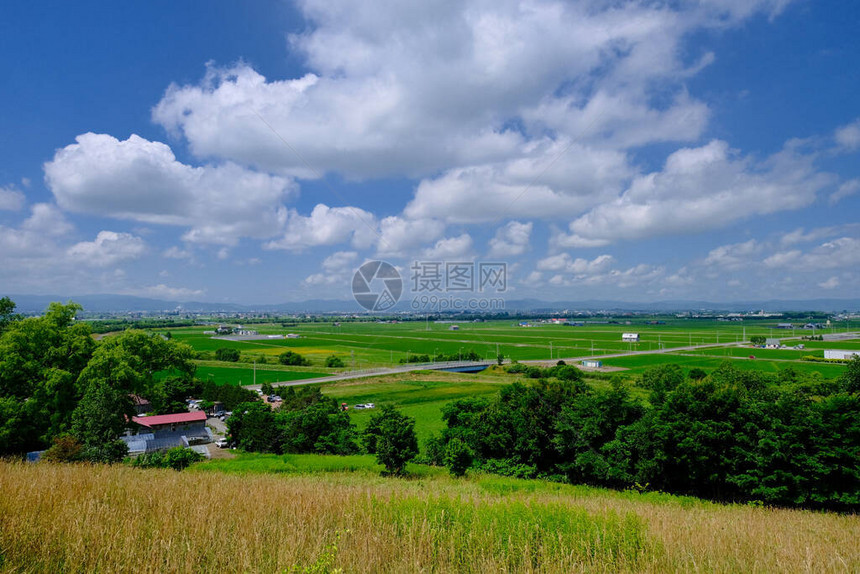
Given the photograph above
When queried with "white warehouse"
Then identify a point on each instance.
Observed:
(630, 337)
(837, 354)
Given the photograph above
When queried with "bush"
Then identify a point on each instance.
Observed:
(177, 458)
(66, 448)
(225, 354)
(334, 362)
(293, 359)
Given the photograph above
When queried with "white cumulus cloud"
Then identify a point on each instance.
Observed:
(107, 249)
(141, 180)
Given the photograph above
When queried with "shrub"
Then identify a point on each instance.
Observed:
(334, 362)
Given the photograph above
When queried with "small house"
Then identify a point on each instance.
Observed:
(141, 405)
(630, 337)
(454, 328)
(784, 326)
(592, 364)
(771, 343)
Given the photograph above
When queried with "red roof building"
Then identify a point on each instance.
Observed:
(173, 422)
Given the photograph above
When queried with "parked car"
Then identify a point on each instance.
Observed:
(359, 406)
(369, 405)
(222, 443)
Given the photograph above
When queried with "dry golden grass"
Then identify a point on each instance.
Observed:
(56, 518)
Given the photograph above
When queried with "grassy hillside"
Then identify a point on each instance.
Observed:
(119, 519)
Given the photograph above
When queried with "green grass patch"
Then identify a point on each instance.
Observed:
(244, 374)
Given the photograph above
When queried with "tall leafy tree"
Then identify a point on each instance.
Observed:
(40, 361)
(390, 435)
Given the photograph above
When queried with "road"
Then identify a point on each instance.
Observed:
(437, 366)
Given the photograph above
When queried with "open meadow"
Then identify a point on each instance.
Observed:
(81, 518)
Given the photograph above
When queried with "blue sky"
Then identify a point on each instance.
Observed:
(260, 152)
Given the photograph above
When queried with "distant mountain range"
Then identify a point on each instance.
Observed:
(127, 303)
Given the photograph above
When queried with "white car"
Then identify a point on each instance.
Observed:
(222, 443)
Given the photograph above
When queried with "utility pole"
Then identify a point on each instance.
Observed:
(550, 350)
(255, 371)
(352, 352)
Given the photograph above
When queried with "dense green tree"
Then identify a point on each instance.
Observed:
(458, 457)
(850, 380)
(227, 354)
(40, 361)
(334, 362)
(697, 374)
(292, 358)
(758, 339)
(253, 428)
(231, 396)
(586, 429)
(390, 435)
(319, 427)
(567, 373)
(662, 379)
(100, 419)
(171, 394)
(7, 313)
(267, 389)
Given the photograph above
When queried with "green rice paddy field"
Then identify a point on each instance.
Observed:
(369, 344)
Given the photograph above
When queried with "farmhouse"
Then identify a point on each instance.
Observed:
(454, 328)
(771, 343)
(246, 332)
(630, 337)
(590, 363)
(179, 421)
(161, 432)
(839, 354)
(784, 326)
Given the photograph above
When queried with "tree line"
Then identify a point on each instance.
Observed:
(731, 435)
